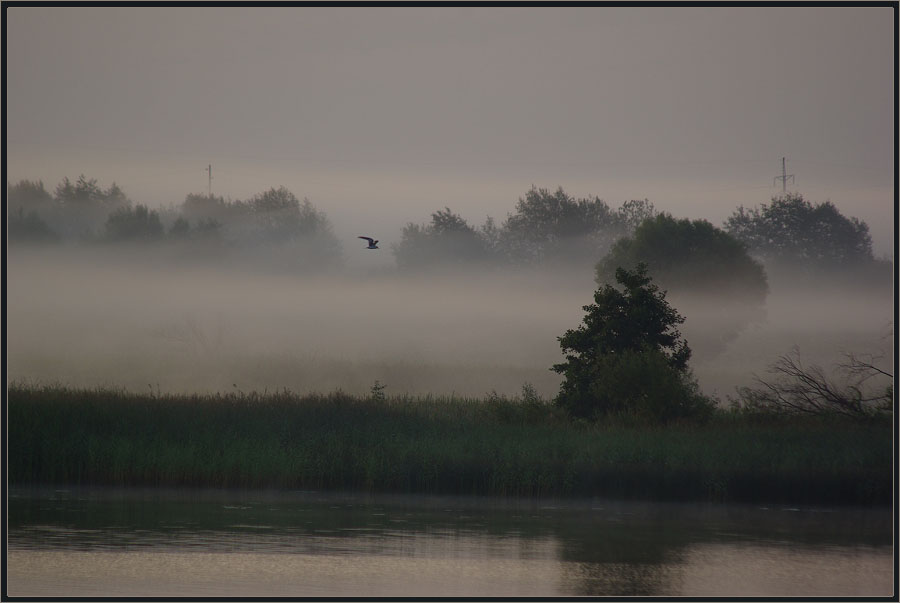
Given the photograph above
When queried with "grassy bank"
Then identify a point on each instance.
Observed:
(433, 445)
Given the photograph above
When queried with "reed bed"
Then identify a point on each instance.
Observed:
(493, 446)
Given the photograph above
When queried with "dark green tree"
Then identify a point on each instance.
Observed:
(689, 255)
(628, 356)
(793, 231)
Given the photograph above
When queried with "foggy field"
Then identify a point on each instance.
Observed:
(81, 319)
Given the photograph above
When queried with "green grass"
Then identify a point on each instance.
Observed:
(495, 446)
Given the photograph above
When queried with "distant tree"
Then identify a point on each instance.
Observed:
(695, 261)
(448, 240)
(84, 206)
(180, 229)
(557, 227)
(633, 213)
(207, 228)
(29, 227)
(288, 233)
(29, 196)
(282, 231)
(29, 207)
(204, 207)
(548, 226)
(133, 224)
(628, 356)
(199, 242)
(793, 231)
(86, 192)
(490, 238)
(276, 215)
(689, 255)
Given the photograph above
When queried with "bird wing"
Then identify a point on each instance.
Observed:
(370, 240)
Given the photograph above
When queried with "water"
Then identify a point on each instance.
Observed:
(132, 542)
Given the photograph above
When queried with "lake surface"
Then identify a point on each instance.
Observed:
(213, 543)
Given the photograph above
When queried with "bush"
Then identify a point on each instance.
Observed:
(862, 389)
(643, 386)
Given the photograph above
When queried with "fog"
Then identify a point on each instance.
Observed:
(381, 116)
(82, 316)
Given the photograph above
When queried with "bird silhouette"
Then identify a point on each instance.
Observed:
(373, 244)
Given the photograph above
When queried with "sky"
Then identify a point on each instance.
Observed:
(382, 115)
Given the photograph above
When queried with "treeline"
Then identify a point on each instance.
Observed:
(546, 228)
(549, 229)
(272, 227)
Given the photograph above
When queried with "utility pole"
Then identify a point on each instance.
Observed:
(209, 169)
(784, 176)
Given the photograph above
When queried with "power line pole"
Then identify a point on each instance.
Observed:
(784, 176)
(209, 169)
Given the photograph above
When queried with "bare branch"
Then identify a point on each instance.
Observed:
(798, 389)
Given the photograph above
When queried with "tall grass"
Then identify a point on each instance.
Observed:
(495, 446)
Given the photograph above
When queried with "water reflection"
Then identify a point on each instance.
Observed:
(212, 543)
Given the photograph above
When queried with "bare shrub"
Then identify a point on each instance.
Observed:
(857, 388)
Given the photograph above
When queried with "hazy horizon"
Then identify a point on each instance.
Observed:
(381, 116)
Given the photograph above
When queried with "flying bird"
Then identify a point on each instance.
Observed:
(373, 244)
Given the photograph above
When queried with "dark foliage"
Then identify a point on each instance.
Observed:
(498, 446)
(555, 226)
(277, 229)
(694, 260)
(793, 230)
(30, 228)
(546, 229)
(134, 224)
(689, 255)
(28, 196)
(447, 241)
(628, 357)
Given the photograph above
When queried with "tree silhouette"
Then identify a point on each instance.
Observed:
(447, 241)
(628, 355)
(792, 230)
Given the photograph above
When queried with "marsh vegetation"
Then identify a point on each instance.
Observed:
(508, 446)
